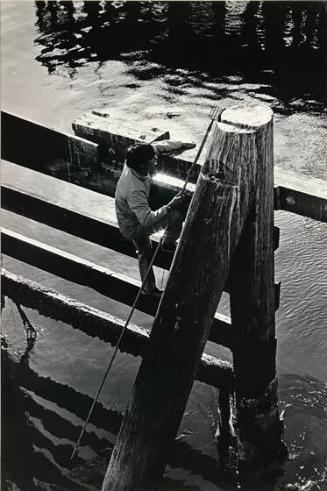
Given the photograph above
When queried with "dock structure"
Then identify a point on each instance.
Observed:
(233, 200)
(229, 230)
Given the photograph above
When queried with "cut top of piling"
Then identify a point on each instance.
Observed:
(250, 116)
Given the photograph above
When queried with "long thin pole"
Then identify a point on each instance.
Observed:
(216, 112)
(116, 349)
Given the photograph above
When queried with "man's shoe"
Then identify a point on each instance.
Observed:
(153, 293)
(167, 246)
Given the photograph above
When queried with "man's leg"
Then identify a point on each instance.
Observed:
(144, 254)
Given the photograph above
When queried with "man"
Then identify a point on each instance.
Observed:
(135, 218)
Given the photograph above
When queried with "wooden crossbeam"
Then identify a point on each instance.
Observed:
(72, 268)
(303, 195)
(50, 211)
(43, 210)
(300, 201)
(43, 145)
(101, 324)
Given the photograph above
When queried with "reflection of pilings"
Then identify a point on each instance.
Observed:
(311, 21)
(43, 14)
(49, 473)
(68, 18)
(297, 17)
(322, 31)
(110, 12)
(40, 6)
(133, 10)
(148, 13)
(219, 11)
(178, 29)
(274, 23)
(16, 432)
(53, 9)
(65, 397)
(181, 455)
(62, 429)
(249, 27)
(92, 10)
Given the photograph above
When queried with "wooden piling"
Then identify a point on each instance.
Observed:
(253, 307)
(224, 194)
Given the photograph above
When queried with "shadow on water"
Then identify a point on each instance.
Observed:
(49, 437)
(43, 418)
(280, 44)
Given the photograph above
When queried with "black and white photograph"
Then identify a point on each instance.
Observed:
(163, 245)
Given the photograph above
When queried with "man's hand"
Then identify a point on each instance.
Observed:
(178, 203)
(186, 145)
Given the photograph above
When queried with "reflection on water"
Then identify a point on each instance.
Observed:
(45, 415)
(278, 43)
(197, 52)
(52, 411)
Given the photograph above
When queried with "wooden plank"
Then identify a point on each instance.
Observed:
(304, 195)
(298, 194)
(34, 145)
(99, 232)
(115, 134)
(72, 209)
(116, 286)
(103, 325)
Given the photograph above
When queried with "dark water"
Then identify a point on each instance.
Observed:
(286, 42)
(166, 62)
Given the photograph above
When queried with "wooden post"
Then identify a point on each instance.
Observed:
(253, 311)
(224, 192)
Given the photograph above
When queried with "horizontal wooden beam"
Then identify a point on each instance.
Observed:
(44, 146)
(97, 323)
(301, 194)
(47, 150)
(301, 203)
(72, 268)
(114, 135)
(94, 230)
(53, 211)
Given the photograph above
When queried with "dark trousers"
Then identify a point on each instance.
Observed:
(173, 227)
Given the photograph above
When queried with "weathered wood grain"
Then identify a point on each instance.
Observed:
(218, 211)
(72, 268)
(34, 145)
(253, 303)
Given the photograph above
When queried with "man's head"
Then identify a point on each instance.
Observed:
(140, 158)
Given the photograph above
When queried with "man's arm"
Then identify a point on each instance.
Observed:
(170, 146)
(139, 205)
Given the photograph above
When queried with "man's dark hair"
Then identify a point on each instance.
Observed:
(138, 154)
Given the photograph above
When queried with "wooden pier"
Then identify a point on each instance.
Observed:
(234, 197)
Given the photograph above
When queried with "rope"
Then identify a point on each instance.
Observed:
(214, 115)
